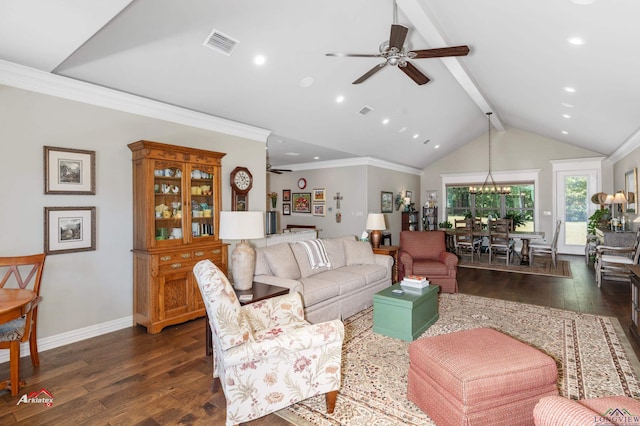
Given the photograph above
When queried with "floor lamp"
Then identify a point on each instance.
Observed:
(242, 226)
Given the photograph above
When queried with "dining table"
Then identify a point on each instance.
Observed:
(524, 236)
(15, 303)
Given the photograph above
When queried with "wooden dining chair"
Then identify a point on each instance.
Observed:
(499, 241)
(464, 238)
(24, 272)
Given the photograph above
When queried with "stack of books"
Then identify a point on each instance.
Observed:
(414, 282)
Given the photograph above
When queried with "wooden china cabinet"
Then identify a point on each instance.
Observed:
(176, 205)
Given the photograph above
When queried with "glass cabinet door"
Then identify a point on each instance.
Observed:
(202, 202)
(167, 190)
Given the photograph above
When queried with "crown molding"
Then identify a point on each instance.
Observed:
(34, 80)
(626, 148)
(350, 162)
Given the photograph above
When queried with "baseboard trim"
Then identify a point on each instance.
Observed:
(73, 336)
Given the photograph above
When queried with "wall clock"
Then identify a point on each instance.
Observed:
(302, 183)
(241, 182)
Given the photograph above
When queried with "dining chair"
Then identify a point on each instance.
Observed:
(500, 244)
(464, 238)
(539, 249)
(24, 272)
(613, 262)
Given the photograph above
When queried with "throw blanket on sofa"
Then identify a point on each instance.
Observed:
(317, 253)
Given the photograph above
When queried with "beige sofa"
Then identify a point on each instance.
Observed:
(328, 292)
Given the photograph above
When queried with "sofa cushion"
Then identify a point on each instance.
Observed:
(335, 250)
(358, 253)
(429, 268)
(371, 273)
(316, 290)
(302, 258)
(262, 267)
(346, 280)
(282, 262)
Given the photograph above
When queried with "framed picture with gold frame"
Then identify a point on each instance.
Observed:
(631, 190)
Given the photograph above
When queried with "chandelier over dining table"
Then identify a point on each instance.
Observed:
(489, 186)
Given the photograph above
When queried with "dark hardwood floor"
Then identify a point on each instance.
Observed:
(129, 377)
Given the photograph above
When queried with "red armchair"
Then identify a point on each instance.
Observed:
(425, 253)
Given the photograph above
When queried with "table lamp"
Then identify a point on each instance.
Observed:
(375, 224)
(243, 226)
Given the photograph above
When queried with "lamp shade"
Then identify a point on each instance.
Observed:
(241, 225)
(375, 222)
(619, 198)
(608, 199)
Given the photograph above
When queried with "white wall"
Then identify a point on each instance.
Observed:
(360, 187)
(512, 149)
(84, 289)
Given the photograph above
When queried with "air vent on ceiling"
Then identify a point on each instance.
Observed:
(365, 110)
(221, 42)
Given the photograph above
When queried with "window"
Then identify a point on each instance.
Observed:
(518, 205)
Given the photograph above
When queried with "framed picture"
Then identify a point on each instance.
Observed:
(319, 195)
(431, 198)
(69, 171)
(69, 229)
(286, 209)
(409, 194)
(318, 210)
(301, 202)
(631, 190)
(286, 195)
(386, 202)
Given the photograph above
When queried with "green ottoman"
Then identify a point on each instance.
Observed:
(405, 316)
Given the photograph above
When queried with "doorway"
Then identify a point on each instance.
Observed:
(575, 182)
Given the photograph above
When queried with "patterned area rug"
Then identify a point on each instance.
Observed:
(539, 267)
(594, 358)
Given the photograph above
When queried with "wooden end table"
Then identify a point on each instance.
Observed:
(393, 252)
(259, 291)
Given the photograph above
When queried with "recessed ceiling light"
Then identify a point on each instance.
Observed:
(316, 158)
(569, 89)
(293, 154)
(416, 136)
(306, 82)
(564, 132)
(436, 147)
(566, 115)
(340, 99)
(385, 121)
(259, 60)
(402, 129)
(567, 105)
(578, 41)
(583, 2)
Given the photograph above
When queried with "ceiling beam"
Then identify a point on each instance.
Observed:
(428, 29)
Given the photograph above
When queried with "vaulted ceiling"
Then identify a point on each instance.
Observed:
(523, 60)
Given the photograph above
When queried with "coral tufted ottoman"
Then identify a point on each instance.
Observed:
(478, 377)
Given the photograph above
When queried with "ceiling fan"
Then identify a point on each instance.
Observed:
(395, 53)
(272, 170)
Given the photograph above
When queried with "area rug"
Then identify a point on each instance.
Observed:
(593, 355)
(539, 267)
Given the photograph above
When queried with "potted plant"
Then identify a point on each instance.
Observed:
(596, 220)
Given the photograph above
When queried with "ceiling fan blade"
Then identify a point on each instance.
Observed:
(371, 72)
(355, 55)
(398, 35)
(278, 172)
(441, 52)
(415, 74)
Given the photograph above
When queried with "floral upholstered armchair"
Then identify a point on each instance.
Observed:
(266, 355)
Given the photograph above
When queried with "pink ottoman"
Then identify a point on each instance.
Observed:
(478, 377)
